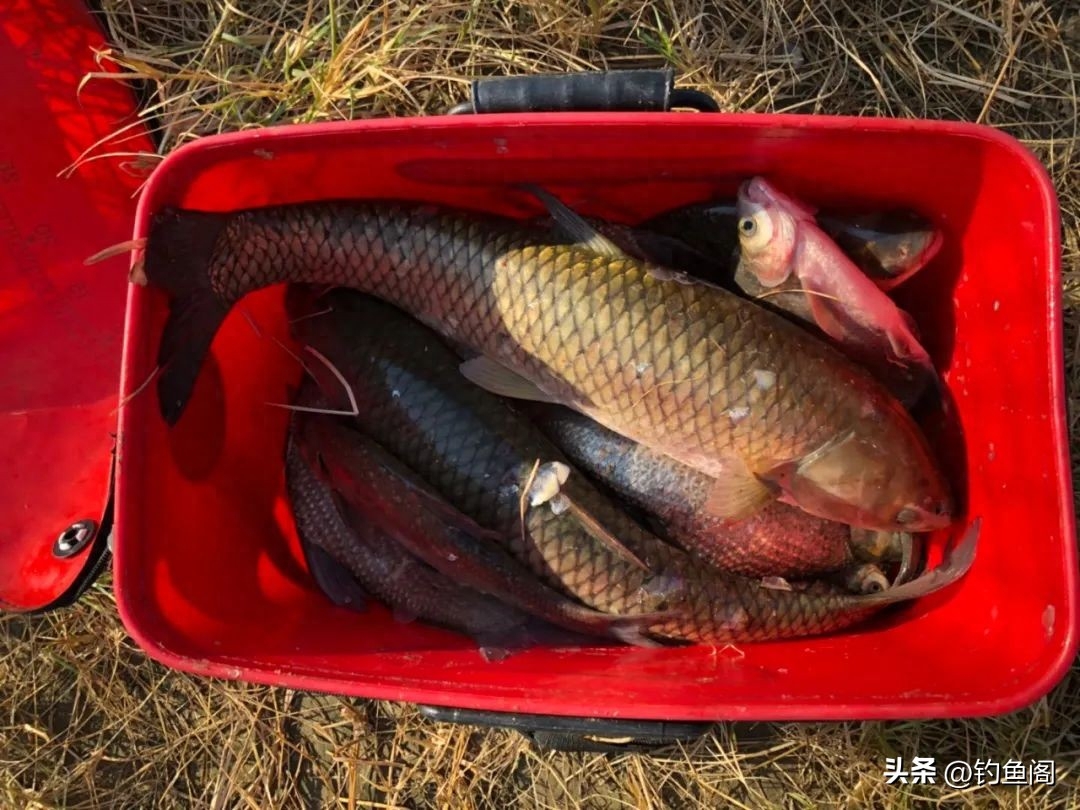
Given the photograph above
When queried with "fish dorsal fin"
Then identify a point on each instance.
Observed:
(576, 227)
(498, 379)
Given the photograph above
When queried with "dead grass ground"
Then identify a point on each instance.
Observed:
(87, 721)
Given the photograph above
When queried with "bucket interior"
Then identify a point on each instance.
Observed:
(209, 574)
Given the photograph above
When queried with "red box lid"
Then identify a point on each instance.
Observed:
(61, 322)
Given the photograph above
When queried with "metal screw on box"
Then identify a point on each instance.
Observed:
(74, 538)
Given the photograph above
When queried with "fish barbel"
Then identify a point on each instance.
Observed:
(479, 455)
(690, 369)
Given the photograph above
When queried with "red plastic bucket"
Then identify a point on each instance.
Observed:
(208, 573)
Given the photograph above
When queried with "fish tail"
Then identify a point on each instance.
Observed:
(178, 260)
(958, 562)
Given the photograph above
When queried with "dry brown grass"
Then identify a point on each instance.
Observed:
(87, 721)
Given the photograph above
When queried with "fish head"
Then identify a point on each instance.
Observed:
(873, 545)
(871, 477)
(768, 224)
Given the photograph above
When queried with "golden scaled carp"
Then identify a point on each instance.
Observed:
(689, 369)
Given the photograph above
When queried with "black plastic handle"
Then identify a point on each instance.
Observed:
(576, 733)
(599, 91)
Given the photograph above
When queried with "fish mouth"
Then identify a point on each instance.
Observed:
(931, 248)
(756, 190)
(759, 191)
(928, 520)
(751, 198)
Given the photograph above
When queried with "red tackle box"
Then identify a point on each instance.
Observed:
(208, 572)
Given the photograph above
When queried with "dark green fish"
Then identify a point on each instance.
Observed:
(379, 490)
(382, 568)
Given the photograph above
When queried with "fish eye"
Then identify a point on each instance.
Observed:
(747, 226)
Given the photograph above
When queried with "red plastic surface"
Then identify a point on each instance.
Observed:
(209, 578)
(61, 323)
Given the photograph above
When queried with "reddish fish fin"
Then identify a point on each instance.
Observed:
(823, 310)
(432, 500)
(404, 476)
(909, 322)
(906, 346)
(737, 494)
(178, 254)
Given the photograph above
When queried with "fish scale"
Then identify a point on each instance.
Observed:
(576, 323)
(478, 454)
(273, 245)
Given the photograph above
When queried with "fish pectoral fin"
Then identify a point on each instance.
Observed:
(335, 580)
(909, 322)
(823, 308)
(738, 494)
(641, 629)
(776, 584)
(906, 344)
(911, 558)
(446, 511)
(595, 529)
(498, 379)
(575, 226)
